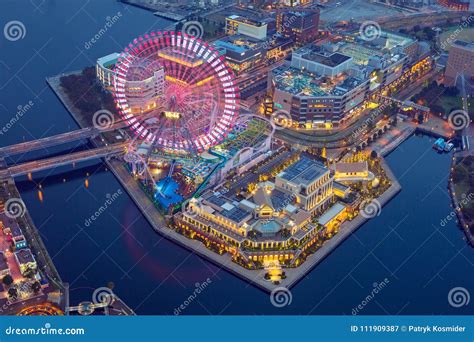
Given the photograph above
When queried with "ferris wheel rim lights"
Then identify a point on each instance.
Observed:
(225, 76)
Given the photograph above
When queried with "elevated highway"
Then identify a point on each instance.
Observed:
(63, 138)
(48, 163)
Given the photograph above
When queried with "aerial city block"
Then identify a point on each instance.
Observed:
(287, 147)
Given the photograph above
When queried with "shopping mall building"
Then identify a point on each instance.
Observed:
(325, 85)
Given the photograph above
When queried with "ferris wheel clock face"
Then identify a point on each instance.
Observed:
(175, 91)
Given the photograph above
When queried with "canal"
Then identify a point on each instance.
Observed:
(405, 247)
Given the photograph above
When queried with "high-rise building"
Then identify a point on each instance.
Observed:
(460, 62)
(301, 25)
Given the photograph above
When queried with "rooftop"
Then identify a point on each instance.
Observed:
(252, 20)
(234, 213)
(238, 43)
(331, 213)
(352, 167)
(109, 60)
(268, 227)
(316, 53)
(464, 44)
(24, 256)
(303, 172)
(303, 83)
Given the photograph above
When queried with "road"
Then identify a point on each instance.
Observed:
(63, 138)
(48, 163)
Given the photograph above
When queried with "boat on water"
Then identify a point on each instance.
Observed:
(443, 146)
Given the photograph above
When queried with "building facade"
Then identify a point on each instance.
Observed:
(105, 69)
(299, 25)
(326, 85)
(143, 95)
(460, 62)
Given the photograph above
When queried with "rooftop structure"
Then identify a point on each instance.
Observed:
(273, 220)
(303, 83)
(26, 261)
(249, 26)
(326, 83)
(241, 52)
(310, 181)
(105, 69)
(315, 59)
(301, 24)
(356, 171)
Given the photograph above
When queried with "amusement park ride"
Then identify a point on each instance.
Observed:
(192, 107)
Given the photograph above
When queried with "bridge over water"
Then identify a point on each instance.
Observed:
(48, 163)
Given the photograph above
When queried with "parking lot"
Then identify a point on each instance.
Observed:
(356, 9)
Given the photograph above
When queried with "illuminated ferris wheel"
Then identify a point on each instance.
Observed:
(175, 92)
